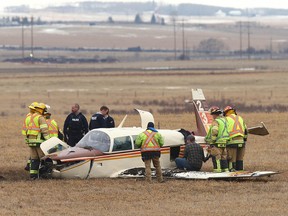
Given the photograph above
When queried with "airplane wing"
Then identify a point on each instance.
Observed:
(222, 176)
(197, 175)
(146, 117)
(258, 130)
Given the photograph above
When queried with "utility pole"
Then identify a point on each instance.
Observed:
(174, 28)
(22, 37)
(248, 35)
(240, 38)
(271, 48)
(32, 40)
(183, 39)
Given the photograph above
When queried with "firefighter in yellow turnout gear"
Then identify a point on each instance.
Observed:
(53, 127)
(217, 138)
(25, 127)
(150, 142)
(27, 119)
(36, 134)
(237, 137)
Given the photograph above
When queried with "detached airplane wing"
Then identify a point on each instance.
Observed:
(197, 175)
(258, 130)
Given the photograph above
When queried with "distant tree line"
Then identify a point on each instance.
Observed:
(17, 20)
(154, 19)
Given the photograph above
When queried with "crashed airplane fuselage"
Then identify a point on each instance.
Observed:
(109, 152)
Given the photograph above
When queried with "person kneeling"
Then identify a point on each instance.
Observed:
(193, 156)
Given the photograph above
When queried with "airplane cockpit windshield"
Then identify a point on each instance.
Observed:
(96, 140)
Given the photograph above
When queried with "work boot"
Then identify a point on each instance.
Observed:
(216, 165)
(224, 166)
(239, 165)
(232, 166)
(34, 169)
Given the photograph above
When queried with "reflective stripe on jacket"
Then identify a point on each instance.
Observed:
(218, 132)
(26, 124)
(37, 130)
(149, 141)
(236, 128)
(52, 127)
(33, 126)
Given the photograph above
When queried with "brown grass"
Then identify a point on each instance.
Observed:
(19, 196)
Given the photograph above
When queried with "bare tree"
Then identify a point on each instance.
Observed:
(211, 45)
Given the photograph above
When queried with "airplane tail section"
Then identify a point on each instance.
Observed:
(203, 117)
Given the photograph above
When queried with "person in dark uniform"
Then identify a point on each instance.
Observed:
(75, 126)
(108, 120)
(101, 119)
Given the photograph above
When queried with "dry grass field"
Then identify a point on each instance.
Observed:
(266, 33)
(94, 85)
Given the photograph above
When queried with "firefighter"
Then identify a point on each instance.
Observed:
(37, 133)
(75, 126)
(150, 142)
(217, 138)
(25, 127)
(53, 128)
(237, 137)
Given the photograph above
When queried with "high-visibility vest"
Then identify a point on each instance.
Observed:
(33, 126)
(26, 123)
(34, 130)
(236, 129)
(235, 125)
(150, 144)
(52, 127)
(222, 135)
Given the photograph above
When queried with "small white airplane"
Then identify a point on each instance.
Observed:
(111, 152)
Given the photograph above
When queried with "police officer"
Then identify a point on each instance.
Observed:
(150, 142)
(237, 137)
(108, 120)
(36, 134)
(75, 126)
(101, 119)
(217, 138)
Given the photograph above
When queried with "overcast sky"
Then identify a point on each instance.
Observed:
(229, 3)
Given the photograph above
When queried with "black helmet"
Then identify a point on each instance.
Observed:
(214, 110)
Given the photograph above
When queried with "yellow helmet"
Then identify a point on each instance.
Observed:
(40, 107)
(32, 105)
(229, 110)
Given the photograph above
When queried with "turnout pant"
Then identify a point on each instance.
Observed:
(235, 156)
(35, 154)
(219, 158)
(156, 164)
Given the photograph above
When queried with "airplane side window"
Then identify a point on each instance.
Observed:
(122, 143)
(134, 140)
